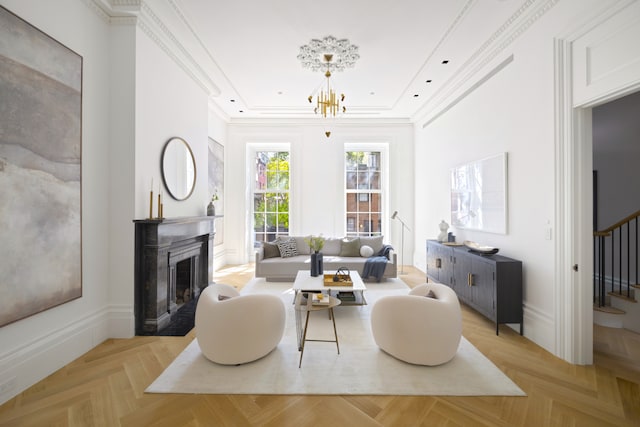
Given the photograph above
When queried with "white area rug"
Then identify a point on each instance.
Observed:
(360, 368)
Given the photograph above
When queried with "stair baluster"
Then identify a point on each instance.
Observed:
(626, 249)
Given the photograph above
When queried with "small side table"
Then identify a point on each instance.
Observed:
(304, 304)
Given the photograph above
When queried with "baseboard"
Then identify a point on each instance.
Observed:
(122, 322)
(44, 355)
(539, 327)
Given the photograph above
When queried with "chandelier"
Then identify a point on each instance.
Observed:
(329, 54)
(326, 100)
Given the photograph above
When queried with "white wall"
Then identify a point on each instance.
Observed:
(135, 97)
(217, 126)
(317, 179)
(218, 132)
(616, 150)
(121, 176)
(168, 103)
(38, 345)
(513, 111)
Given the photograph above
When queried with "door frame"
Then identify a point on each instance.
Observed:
(573, 271)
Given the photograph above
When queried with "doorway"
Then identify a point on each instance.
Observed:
(574, 212)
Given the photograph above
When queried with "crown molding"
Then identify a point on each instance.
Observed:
(468, 74)
(110, 9)
(156, 28)
(314, 121)
(215, 109)
(443, 39)
(205, 56)
(95, 7)
(142, 13)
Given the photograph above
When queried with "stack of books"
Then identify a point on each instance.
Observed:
(346, 296)
(319, 299)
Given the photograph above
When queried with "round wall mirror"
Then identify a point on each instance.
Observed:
(178, 168)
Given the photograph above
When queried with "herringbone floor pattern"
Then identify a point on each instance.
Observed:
(106, 386)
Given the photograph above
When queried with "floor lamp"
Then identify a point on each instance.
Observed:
(395, 216)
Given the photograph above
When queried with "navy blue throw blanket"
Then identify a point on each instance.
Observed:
(375, 265)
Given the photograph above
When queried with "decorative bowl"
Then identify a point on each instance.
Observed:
(481, 249)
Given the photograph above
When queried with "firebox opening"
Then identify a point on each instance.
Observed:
(184, 280)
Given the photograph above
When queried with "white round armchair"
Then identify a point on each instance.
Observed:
(233, 329)
(416, 328)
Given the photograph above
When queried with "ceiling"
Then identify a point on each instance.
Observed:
(252, 46)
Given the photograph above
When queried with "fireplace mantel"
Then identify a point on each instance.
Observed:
(160, 245)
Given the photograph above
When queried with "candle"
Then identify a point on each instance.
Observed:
(151, 200)
(151, 204)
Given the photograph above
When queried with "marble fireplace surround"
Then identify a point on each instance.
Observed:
(160, 244)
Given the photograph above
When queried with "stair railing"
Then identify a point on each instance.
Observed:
(615, 255)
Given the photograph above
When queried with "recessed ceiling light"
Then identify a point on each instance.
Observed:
(416, 95)
(372, 93)
(279, 92)
(232, 100)
(446, 61)
(241, 111)
(429, 81)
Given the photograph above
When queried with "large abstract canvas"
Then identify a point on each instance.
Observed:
(40, 171)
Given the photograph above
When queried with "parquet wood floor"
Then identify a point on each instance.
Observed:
(105, 387)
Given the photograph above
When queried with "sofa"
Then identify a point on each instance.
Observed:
(281, 259)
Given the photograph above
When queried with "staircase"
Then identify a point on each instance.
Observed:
(616, 291)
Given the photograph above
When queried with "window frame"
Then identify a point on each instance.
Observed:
(251, 162)
(363, 194)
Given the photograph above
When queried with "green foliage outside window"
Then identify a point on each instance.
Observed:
(271, 198)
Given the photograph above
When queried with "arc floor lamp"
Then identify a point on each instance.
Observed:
(395, 216)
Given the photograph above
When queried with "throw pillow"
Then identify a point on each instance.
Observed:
(332, 246)
(350, 247)
(270, 250)
(375, 242)
(303, 247)
(366, 251)
(431, 294)
(288, 248)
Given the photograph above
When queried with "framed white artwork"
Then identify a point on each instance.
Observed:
(479, 195)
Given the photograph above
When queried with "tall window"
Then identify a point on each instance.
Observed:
(271, 196)
(363, 193)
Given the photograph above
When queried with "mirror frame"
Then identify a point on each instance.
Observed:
(169, 189)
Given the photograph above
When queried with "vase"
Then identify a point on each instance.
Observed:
(317, 267)
(211, 209)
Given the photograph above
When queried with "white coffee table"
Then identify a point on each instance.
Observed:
(305, 282)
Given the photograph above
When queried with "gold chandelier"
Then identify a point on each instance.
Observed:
(331, 54)
(327, 102)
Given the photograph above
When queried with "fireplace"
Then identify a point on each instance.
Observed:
(174, 262)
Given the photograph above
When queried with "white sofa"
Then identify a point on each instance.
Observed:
(337, 252)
